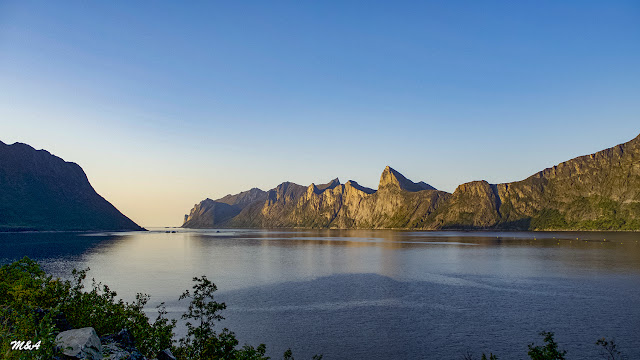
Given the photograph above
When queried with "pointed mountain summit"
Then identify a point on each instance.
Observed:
(355, 185)
(392, 178)
(330, 185)
(319, 189)
(600, 191)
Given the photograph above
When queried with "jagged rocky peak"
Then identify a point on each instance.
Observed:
(209, 213)
(318, 189)
(598, 191)
(392, 178)
(244, 198)
(287, 192)
(479, 186)
(330, 185)
(287, 187)
(357, 186)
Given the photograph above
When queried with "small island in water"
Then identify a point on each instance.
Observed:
(600, 191)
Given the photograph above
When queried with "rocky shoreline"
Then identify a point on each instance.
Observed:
(84, 343)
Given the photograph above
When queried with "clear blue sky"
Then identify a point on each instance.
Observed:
(166, 103)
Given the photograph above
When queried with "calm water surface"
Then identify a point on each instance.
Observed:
(376, 294)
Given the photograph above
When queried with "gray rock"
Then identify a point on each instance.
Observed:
(166, 355)
(80, 343)
(113, 352)
(124, 339)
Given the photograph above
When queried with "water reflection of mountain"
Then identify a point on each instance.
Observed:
(586, 250)
(47, 245)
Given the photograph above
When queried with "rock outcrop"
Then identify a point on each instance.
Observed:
(209, 213)
(600, 191)
(40, 191)
(120, 346)
(392, 178)
(84, 343)
(80, 343)
(398, 203)
(166, 355)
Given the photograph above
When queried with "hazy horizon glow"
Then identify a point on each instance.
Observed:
(164, 104)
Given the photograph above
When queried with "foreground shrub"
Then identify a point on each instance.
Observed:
(609, 350)
(202, 342)
(547, 352)
(550, 351)
(36, 307)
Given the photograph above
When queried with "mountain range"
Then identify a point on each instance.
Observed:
(42, 192)
(600, 191)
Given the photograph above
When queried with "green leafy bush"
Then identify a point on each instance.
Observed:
(547, 352)
(36, 307)
(202, 341)
(31, 301)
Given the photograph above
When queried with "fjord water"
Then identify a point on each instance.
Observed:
(376, 294)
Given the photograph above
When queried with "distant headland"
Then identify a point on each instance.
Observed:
(600, 191)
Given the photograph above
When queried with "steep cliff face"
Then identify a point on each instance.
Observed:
(209, 213)
(275, 211)
(392, 178)
(399, 203)
(39, 191)
(600, 191)
(594, 192)
(472, 205)
(597, 191)
(244, 198)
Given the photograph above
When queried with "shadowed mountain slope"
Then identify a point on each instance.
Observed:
(40, 191)
(209, 213)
